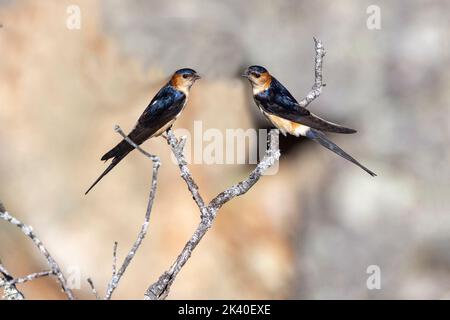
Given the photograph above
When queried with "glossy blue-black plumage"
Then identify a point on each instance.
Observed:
(257, 69)
(186, 71)
(277, 100)
(162, 109)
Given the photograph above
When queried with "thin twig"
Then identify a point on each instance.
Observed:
(156, 164)
(177, 149)
(272, 154)
(317, 87)
(10, 292)
(160, 289)
(28, 231)
(29, 277)
(94, 291)
(145, 153)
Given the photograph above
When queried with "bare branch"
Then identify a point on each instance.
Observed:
(145, 153)
(114, 262)
(28, 231)
(117, 275)
(10, 292)
(160, 289)
(177, 150)
(29, 277)
(94, 291)
(317, 87)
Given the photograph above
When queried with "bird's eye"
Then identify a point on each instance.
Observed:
(256, 75)
(185, 76)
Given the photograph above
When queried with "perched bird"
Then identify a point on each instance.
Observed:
(158, 117)
(283, 111)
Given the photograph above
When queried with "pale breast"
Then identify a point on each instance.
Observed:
(164, 128)
(287, 126)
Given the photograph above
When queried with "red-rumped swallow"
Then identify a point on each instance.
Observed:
(283, 111)
(158, 117)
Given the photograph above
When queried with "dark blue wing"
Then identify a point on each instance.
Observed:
(278, 101)
(164, 107)
(283, 95)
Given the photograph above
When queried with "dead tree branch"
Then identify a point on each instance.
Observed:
(28, 231)
(93, 289)
(317, 86)
(29, 277)
(160, 289)
(177, 150)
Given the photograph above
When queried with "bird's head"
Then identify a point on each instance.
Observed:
(183, 79)
(259, 78)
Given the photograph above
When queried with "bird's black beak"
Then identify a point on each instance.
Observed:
(245, 75)
(197, 76)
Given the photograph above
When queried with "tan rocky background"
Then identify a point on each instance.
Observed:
(310, 231)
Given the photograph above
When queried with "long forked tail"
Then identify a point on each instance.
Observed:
(114, 162)
(117, 153)
(323, 140)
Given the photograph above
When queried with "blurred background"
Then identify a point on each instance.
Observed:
(311, 230)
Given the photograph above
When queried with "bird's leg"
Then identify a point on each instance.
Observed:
(164, 135)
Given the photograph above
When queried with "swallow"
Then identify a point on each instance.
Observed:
(157, 118)
(283, 111)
